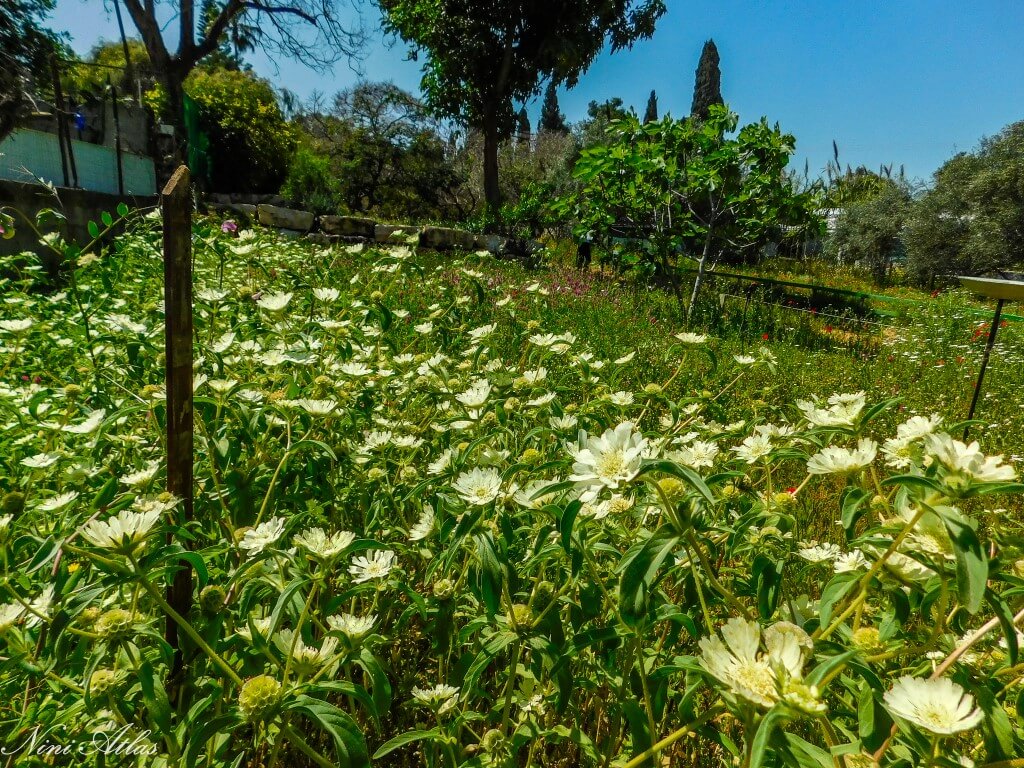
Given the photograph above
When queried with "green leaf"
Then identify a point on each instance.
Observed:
(94, 229)
(204, 729)
(852, 506)
(685, 474)
(762, 737)
(348, 739)
(405, 738)
(155, 696)
(971, 563)
(566, 521)
(104, 495)
(122, 210)
(641, 572)
(107, 219)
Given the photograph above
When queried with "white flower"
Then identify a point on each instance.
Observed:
(621, 398)
(478, 486)
(306, 659)
(355, 628)
(124, 532)
(608, 461)
(841, 410)
(965, 463)
(58, 502)
(326, 294)
(376, 566)
(834, 459)
(819, 553)
(692, 338)
(262, 536)
(477, 394)
(9, 615)
(274, 302)
(563, 422)
(91, 423)
(322, 545)
(315, 407)
(16, 326)
(744, 359)
(698, 455)
(440, 698)
(751, 674)
(441, 463)
(41, 460)
(424, 525)
(754, 448)
(851, 561)
(939, 706)
(143, 476)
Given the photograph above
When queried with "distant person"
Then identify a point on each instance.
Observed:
(584, 252)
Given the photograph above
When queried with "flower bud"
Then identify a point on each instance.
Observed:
(101, 681)
(13, 504)
(114, 623)
(212, 598)
(258, 696)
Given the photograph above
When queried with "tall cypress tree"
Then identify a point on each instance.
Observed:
(523, 128)
(651, 114)
(551, 117)
(708, 88)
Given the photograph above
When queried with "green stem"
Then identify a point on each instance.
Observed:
(673, 737)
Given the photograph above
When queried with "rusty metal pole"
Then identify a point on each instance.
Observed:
(176, 202)
(984, 364)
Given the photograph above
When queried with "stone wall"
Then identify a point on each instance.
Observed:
(360, 229)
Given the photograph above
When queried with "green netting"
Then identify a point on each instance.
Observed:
(198, 142)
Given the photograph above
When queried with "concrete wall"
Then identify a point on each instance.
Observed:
(27, 154)
(78, 205)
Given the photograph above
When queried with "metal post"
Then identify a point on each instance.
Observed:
(176, 201)
(984, 364)
(62, 123)
(117, 136)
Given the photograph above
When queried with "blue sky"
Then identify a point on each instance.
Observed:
(906, 82)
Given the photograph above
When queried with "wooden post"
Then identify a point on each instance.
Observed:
(117, 135)
(58, 115)
(176, 202)
(62, 122)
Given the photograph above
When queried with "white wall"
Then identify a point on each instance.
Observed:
(27, 154)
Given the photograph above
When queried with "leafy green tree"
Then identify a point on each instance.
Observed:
(481, 57)
(250, 142)
(707, 89)
(699, 190)
(651, 113)
(551, 117)
(25, 46)
(239, 38)
(870, 232)
(386, 152)
(308, 30)
(600, 115)
(110, 56)
(972, 219)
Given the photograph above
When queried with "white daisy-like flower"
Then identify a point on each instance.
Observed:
(39, 607)
(754, 448)
(757, 676)
(355, 628)
(377, 565)
(479, 486)
(57, 502)
(356, 369)
(143, 477)
(316, 407)
(262, 536)
(41, 460)
(841, 410)
(939, 705)
(477, 394)
(691, 338)
(819, 553)
(565, 422)
(851, 561)
(744, 359)
(89, 425)
(10, 613)
(17, 326)
(608, 461)
(322, 545)
(697, 455)
(440, 698)
(274, 302)
(621, 398)
(424, 526)
(441, 463)
(482, 332)
(326, 294)
(306, 659)
(123, 533)
(963, 464)
(837, 460)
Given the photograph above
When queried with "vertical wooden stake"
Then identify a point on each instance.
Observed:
(176, 202)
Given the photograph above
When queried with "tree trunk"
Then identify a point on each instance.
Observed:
(702, 264)
(492, 191)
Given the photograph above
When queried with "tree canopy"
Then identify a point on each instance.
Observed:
(483, 57)
(25, 45)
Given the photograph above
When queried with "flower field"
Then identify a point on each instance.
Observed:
(454, 513)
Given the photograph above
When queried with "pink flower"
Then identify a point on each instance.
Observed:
(229, 226)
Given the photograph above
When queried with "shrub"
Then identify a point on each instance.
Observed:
(310, 184)
(251, 143)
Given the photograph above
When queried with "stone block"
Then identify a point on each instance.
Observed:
(395, 233)
(349, 226)
(445, 239)
(285, 218)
